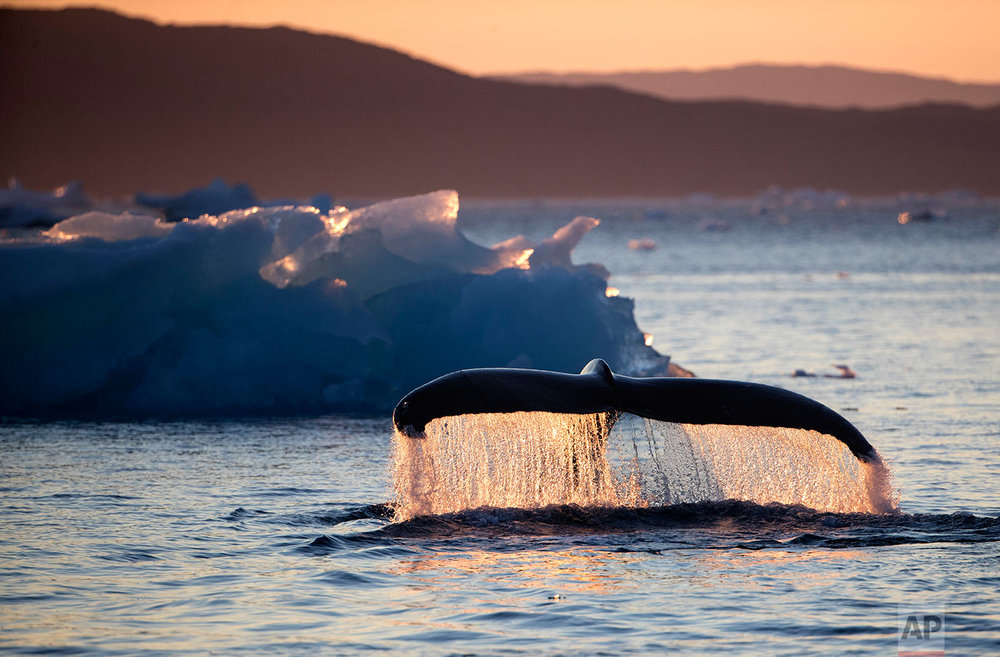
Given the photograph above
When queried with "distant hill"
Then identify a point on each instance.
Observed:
(129, 105)
(835, 87)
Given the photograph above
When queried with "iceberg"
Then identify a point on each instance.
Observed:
(290, 309)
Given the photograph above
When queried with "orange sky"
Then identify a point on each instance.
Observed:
(946, 38)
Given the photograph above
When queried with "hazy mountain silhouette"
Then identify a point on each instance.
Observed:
(126, 105)
(835, 87)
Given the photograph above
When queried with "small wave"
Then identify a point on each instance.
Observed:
(327, 518)
(289, 490)
(332, 544)
(241, 514)
(368, 512)
(342, 578)
(88, 496)
(129, 556)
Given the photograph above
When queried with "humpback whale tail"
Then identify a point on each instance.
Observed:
(598, 390)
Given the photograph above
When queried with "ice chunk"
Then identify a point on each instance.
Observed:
(804, 198)
(555, 251)
(178, 325)
(360, 259)
(423, 229)
(549, 318)
(21, 207)
(392, 243)
(109, 227)
(216, 198)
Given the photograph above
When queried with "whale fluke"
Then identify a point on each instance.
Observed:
(599, 390)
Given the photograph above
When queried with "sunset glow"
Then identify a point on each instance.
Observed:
(931, 37)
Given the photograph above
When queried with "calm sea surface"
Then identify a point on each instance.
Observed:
(273, 536)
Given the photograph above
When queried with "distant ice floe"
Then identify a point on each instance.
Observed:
(775, 198)
(918, 206)
(216, 198)
(264, 310)
(24, 208)
(20, 207)
(644, 244)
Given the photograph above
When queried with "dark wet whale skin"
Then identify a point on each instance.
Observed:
(599, 390)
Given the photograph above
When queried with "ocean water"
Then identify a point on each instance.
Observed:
(279, 536)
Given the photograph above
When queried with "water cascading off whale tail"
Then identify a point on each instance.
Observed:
(597, 390)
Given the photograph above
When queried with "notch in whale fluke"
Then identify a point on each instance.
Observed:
(599, 390)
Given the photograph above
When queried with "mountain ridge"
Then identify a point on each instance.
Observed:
(827, 85)
(127, 104)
